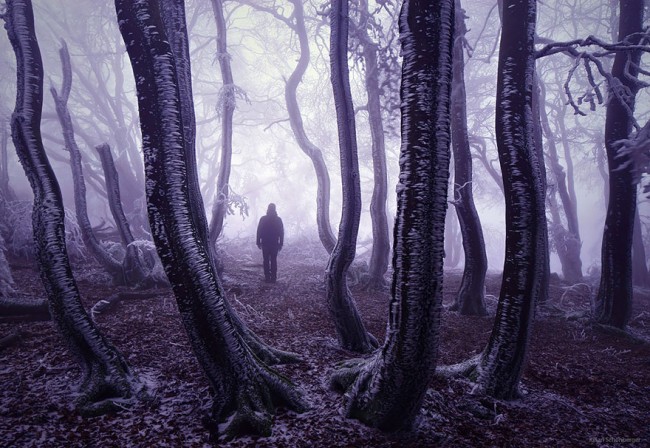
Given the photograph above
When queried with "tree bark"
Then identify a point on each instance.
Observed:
(106, 377)
(243, 387)
(470, 298)
(501, 363)
(310, 149)
(387, 390)
(380, 238)
(613, 302)
(351, 332)
(220, 206)
(640, 275)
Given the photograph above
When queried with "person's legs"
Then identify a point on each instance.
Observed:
(274, 265)
(266, 254)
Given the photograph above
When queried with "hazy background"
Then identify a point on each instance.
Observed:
(267, 164)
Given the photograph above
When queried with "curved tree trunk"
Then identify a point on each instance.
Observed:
(470, 299)
(173, 16)
(112, 266)
(501, 363)
(107, 381)
(387, 390)
(220, 206)
(295, 120)
(613, 302)
(350, 330)
(380, 238)
(244, 388)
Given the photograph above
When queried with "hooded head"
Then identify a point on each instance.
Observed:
(271, 210)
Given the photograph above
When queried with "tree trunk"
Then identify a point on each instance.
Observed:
(243, 387)
(613, 302)
(470, 299)
(6, 279)
(113, 192)
(107, 381)
(350, 330)
(640, 274)
(387, 390)
(502, 362)
(227, 97)
(112, 266)
(295, 120)
(380, 238)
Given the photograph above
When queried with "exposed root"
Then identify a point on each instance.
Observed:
(104, 392)
(466, 369)
(111, 301)
(626, 334)
(346, 374)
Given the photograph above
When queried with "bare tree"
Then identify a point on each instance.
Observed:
(386, 391)
(470, 299)
(107, 380)
(350, 330)
(244, 388)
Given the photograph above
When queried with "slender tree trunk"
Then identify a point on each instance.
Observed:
(640, 274)
(113, 192)
(380, 239)
(613, 302)
(470, 299)
(244, 389)
(220, 206)
(502, 362)
(112, 266)
(387, 390)
(6, 279)
(350, 330)
(310, 149)
(107, 381)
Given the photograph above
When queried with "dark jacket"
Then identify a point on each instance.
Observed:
(270, 232)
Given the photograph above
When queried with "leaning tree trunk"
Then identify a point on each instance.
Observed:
(173, 16)
(613, 302)
(387, 390)
(351, 332)
(112, 266)
(244, 388)
(107, 381)
(470, 299)
(310, 149)
(227, 98)
(501, 363)
(380, 237)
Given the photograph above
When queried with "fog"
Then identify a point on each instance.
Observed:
(267, 164)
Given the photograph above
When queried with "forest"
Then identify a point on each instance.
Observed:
(324, 223)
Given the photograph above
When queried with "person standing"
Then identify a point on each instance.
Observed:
(270, 238)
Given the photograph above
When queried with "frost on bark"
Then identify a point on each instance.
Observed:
(107, 381)
(308, 147)
(613, 302)
(173, 17)
(227, 108)
(380, 236)
(351, 332)
(501, 363)
(112, 266)
(244, 388)
(386, 391)
(470, 299)
(6, 279)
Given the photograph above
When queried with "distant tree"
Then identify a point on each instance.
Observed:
(244, 388)
(613, 302)
(470, 298)
(350, 330)
(227, 109)
(380, 236)
(386, 390)
(107, 380)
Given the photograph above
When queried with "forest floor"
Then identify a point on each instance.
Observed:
(582, 386)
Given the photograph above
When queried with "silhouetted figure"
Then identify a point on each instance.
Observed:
(270, 237)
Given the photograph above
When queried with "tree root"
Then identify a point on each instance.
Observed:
(111, 301)
(467, 368)
(625, 334)
(253, 405)
(14, 310)
(346, 374)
